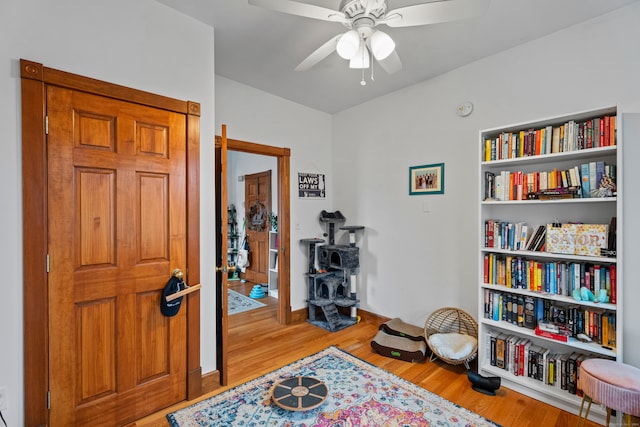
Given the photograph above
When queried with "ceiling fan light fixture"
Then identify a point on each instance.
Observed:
(348, 44)
(381, 45)
(361, 59)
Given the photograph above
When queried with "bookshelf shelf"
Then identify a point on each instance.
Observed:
(233, 240)
(572, 344)
(551, 202)
(273, 264)
(590, 153)
(545, 295)
(551, 255)
(511, 301)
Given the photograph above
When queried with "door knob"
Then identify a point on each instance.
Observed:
(225, 268)
(177, 273)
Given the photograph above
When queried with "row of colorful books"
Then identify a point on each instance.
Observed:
(570, 136)
(552, 277)
(583, 181)
(569, 238)
(523, 358)
(513, 236)
(571, 320)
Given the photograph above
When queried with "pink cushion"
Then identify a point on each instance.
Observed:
(613, 384)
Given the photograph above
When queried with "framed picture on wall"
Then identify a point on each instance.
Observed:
(311, 185)
(426, 179)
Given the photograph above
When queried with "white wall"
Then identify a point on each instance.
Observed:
(255, 116)
(421, 252)
(138, 44)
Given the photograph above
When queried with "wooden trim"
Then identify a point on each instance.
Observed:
(34, 252)
(210, 382)
(302, 315)
(194, 369)
(253, 148)
(223, 319)
(34, 79)
(284, 208)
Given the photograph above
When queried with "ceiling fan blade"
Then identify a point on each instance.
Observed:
(434, 12)
(301, 9)
(391, 63)
(319, 54)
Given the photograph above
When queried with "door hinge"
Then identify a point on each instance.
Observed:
(46, 125)
(49, 399)
(47, 263)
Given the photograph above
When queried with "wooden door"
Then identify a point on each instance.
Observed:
(257, 196)
(222, 278)
(117, 228)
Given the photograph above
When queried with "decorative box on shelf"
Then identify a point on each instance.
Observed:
(577, 239)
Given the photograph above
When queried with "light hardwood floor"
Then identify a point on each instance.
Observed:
(259, 345)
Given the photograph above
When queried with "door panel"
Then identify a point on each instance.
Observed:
(117, 228)
(258, 190)
(222, 278)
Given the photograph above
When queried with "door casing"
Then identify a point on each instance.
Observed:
(34, 80)
(283, 156)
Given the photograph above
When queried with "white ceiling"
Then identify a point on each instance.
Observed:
(261, 48)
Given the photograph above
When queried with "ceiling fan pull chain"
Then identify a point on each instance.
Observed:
(371, 53)
(364, 52)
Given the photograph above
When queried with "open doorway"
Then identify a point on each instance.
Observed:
(281, 237)
(252, 193)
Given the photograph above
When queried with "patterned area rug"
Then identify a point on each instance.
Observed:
(360, 394)
(238, 303)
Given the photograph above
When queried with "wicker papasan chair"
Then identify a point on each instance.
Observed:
(452, 336)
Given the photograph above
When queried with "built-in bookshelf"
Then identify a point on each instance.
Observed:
(233, 238)
(273, 264)
(550, 273)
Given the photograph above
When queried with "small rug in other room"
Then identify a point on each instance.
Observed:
(238, 303)
(360, 394)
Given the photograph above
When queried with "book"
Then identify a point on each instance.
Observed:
(593, 184)
(525, 235)
(539, 244)
(500, 351)
(544, 365)
(599, 173)
(487, 150)
(499, 190)
(490, 241)
(585, 180)
(612, 130)
(555, 140)
(614, 285)
(596, 132)
(492, 337)
(572, 373)
(605, 331)
(489, 185)
(551, 335)
(529, 312)
(535, 354)
(551, 377)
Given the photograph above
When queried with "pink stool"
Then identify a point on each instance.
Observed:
(614, 385)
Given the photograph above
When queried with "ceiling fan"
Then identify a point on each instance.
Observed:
(363, 42)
